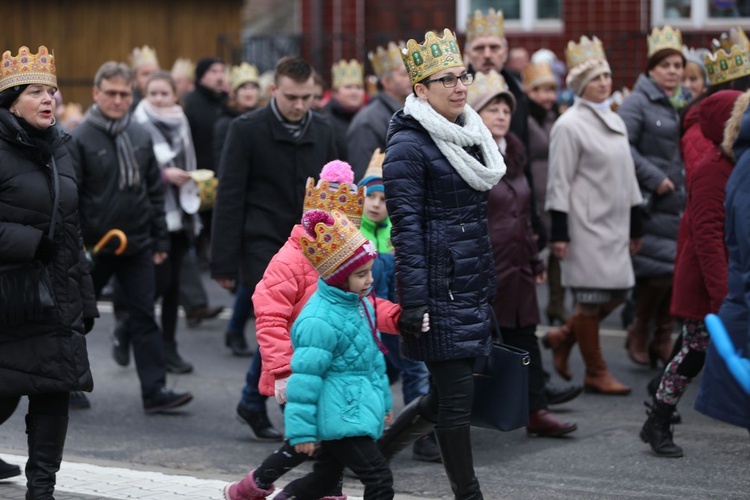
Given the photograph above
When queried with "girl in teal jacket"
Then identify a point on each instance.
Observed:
(338, 393)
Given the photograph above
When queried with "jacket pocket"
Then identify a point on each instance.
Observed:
(352, 399)
(450, 272)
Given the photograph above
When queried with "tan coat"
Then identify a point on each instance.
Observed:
(592, 179)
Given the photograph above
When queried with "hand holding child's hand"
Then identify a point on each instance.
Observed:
(280, 390)
(425, 322)
(306, 448)
(389, 418)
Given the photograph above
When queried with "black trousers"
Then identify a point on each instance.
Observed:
(524, 337)
(135, 273)
(361, 455)
(451, 392)
(168, 283)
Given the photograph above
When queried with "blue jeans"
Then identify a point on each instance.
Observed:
(252, 399)
(242, 309)
(415, 379)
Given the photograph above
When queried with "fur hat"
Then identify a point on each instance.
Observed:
(335, 247)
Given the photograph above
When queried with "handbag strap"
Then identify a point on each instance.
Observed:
(56, 199)
(496, 333)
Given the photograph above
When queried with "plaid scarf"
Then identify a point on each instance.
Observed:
(129, 171)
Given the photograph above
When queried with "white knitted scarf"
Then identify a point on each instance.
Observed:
(452, 138)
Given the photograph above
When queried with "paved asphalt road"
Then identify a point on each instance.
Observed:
(604, 459)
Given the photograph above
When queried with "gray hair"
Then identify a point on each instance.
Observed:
(113, 69)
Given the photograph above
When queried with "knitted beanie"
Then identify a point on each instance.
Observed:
(203, 65)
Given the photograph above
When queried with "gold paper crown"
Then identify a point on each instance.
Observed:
(666, 38)
(435, 54)
(326, 196)
(27, 68)
(584, 50)
(386, 60)
(485, 83)
(723, 67)
(143, 55)
(347, 73)
(183, 67)
(490, 24)
(736, 36)
(333, 245)
(242, 74)
(537, 74)
(375, 167)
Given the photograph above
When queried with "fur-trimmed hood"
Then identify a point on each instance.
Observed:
(732, 127)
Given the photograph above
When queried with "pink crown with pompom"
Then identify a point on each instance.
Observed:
(336, 246)
(335, 191)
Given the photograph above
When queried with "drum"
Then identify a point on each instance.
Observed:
(199, 193)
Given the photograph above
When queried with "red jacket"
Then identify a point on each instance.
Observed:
(287, 284)
(700, 278)
(694, 144)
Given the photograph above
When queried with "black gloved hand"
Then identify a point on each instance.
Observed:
(88, 324)
(45, 250)
(410, 321)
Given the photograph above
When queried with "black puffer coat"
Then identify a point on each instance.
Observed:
(50, 355)
(443, 252)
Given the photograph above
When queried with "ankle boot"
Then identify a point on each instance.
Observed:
(246, 489)
(8, 470)
(174, 362)
(408, 426)
(657, 432)
(653, 386)
(455, 447)
(46, 440)
(561, 340)
(556, 313)
(543, 424)
(598, 378)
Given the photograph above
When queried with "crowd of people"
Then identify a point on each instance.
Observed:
(377, 237)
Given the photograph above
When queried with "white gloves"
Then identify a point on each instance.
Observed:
(426, 322)
(280, 390)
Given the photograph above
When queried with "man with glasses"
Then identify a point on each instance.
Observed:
(120, 187)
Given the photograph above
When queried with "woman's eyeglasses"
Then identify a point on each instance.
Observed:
(450, 81)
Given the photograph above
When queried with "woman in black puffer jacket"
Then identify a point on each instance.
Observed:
(42, 352)
(440, 164)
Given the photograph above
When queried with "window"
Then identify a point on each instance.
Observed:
(520, 15)
(700, 13)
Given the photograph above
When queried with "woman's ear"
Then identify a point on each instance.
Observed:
(421, 90)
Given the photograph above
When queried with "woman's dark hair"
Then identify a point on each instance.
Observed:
(163, 75)
(9, 95)
(659, 56)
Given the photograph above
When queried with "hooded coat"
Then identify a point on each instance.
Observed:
(443, 251)
(49, 355)
(700, 277)
(720, 396)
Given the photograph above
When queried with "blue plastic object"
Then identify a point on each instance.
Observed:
(738, 365)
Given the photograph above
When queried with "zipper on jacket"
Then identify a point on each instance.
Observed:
(449, 279)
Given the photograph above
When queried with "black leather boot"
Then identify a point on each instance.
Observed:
(657, 432)
(8, 470)
(46, 438)
(455, 447)
(408, 426)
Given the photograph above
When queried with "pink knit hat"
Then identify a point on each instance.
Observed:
(335, 246)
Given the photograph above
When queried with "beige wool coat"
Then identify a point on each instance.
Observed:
(592, 179)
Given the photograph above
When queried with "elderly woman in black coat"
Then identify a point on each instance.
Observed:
(440, 164)
(46, 296)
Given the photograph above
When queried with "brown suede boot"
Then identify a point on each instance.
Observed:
(646, 308)
(660, 347)
(598, 378)
(561, 340)
(556, 313)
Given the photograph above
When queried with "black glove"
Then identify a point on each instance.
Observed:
(45, 251)
(410, 321)
(88, 324)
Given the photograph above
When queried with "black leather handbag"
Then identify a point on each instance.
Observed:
(501, 387)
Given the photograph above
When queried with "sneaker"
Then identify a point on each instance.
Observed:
(8, 470)
(426, 449)
(259, 423)
(78, 401)
(165, 399)
(121, 344)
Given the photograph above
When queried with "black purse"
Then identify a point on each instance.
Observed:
(501, 386)
(25, 290)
